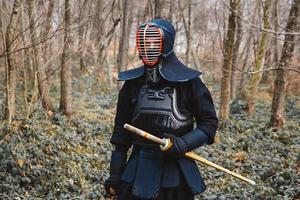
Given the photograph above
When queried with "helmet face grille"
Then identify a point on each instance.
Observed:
(149, 43)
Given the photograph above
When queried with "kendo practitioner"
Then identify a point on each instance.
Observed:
(163, 97)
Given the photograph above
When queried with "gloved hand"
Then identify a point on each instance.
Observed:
(178, 147)
(112, 185)
(117, 165)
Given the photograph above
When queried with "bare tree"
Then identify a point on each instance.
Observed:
(170, 13)
(45, 32)
(189, 30)
(227, 62)
(11, 64)
(82, 16)
(246, 53)
(187, 27)
(66, 84)
(236, 54)
(40, 70)
(272, 55)
(25, 61)
(293, 25)
(158, 6)
(276, 29)
(122, 44)
(260, 58)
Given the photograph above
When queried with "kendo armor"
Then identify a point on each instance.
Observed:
(157, 113)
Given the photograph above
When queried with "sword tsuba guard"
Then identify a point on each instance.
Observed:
(167, 144)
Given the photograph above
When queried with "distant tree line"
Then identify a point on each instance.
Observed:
(238, 43)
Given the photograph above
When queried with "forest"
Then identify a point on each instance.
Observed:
(59, 65)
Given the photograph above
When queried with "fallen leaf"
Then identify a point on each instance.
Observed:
(240, 156)
(20, 162)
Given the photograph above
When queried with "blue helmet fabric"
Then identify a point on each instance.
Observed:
(169, 34)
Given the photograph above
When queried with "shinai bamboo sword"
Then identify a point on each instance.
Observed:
(166, 142)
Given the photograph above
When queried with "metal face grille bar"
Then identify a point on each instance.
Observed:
(149, 44)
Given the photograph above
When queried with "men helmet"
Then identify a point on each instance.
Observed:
(155, 44)
(154, 40)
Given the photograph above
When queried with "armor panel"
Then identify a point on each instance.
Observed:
(157, 113)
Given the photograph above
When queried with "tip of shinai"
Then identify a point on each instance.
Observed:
(252, 183)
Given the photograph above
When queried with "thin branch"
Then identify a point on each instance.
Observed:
(260, 28)
(254, 72)
(267, 69)
(50, 36)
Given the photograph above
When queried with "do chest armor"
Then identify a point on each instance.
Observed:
(157, 112)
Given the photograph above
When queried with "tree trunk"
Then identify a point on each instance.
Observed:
(241, 87)
(170, 14)
(293, 25)
(260, 58)
(105, 42)
(109, 72)
(275, 46)
(81, 44)
(41, 75)
(246, 54)
(147, 11)
(188, 40)
(236, 54)
(11, 67)
(158, 8)
(66, 82)
(127, 39)
(227, 62)
(187, 27)
(122, 44)
(46, 47)
(26, 64)
(97, 30)
(267, 76)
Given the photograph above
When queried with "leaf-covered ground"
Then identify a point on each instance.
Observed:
(52, 157)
